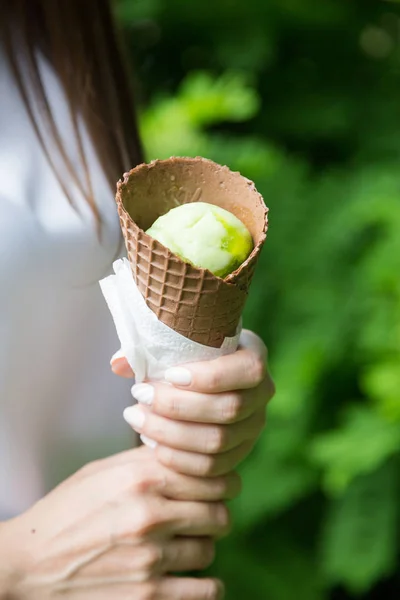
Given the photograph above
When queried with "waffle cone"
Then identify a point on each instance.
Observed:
(192, 301)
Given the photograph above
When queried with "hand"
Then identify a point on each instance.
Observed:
(209, 419)
(110, 531)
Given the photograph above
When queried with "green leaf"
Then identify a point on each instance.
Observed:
(174, 125)
(276, 474)
(252, 156)
(284, 570)
(363, 443)
(270, 488)
(167, 131)
(324, 152)
(359, 537)
(128, 11)
(208, 100)
(382, 383)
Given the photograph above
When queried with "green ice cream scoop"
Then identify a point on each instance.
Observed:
(204, 235)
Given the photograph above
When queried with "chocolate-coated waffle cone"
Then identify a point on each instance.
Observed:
(192, 301)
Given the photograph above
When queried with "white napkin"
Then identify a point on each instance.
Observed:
(149, 346)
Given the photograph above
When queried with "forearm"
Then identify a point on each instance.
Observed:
(9, 570)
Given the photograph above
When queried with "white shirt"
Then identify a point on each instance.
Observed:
(60, 405)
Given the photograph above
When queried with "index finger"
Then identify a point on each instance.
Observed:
(120, 366)
(244, 369)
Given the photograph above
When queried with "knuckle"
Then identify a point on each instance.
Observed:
(153, 557)
(213, 379)
(141, 486)
(221, 487)
(232, 408)
(217, 439)
(167, 456)
(147, 518)
(170, 405)
(147, 592)
(223, 518)
(144, 480)
(213, 590)
(207, 553)
(205, 466)
(170, 465)
(154, 428)
(233, 485)
(257, 369)
(163, 481)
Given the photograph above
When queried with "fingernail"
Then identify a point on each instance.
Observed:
(178, 376)
(148, 442)
(143, 393)
(135, 416)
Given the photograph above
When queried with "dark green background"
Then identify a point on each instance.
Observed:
(303, 97)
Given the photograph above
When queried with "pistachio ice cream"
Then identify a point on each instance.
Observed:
(205, 235)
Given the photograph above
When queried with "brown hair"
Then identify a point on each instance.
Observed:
(80, 40)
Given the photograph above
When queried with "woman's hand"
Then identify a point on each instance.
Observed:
(111, 531)
(207, 418)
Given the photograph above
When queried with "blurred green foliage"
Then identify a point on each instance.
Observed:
(303, 97)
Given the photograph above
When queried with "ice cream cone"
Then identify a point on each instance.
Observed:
(192, 301)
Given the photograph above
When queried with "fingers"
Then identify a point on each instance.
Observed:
(157, 518)
(203, 465)
(194, 437)
(187, 554)
(120, 366)
(241, 370)
(178, 486)
(141, 473)
(165, 588)
(155, 478)
(184, 405)
(176, 588)
(146, 560)
(210, 519)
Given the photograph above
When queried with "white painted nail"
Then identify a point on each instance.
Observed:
(143, 393)
(135, 416)
(148, 442)
(178, 376)
(117, 355)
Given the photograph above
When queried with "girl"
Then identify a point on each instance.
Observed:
(118, 527)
